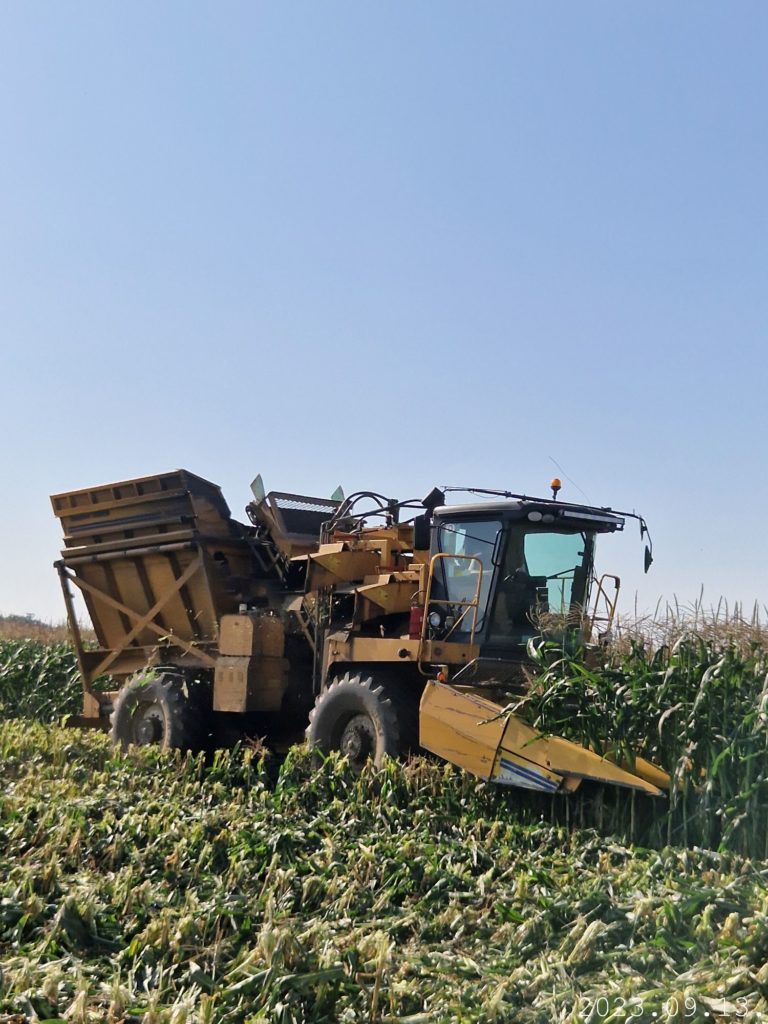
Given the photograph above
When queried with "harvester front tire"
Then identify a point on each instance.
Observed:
(158, 708)
(359, 718)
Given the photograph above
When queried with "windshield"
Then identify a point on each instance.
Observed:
(460, 576)
(542, 573)
(556, 557)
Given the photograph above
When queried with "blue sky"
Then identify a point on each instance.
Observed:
(389, 246)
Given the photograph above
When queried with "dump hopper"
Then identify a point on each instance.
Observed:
(157, 559)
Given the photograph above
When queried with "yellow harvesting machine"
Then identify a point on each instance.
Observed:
(372, 626)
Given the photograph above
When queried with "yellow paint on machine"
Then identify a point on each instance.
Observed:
(511, 769)
(650, 772)
(478, 735)
(460, 728)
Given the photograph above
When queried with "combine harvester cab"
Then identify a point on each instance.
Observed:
(498, 572)
(472, 585)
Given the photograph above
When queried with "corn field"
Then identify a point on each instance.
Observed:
(698, 707)
(38, 680)
(167, 889)
(150, 888)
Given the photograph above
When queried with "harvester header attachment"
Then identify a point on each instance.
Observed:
(496, 745)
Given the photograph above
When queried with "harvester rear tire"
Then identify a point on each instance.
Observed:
(159, 707)
(359, 718)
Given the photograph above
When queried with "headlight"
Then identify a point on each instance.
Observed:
(435, 620)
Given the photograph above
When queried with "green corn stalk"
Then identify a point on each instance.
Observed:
(38, 680)
(164, 888)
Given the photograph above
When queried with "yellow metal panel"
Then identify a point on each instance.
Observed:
(107, 622)
(251, 633)
(402, 534)
(130, 591)
(249, 684)
(383, 549)
(568, 758)
(391, 594)
(402, 648)
(162, 577)
(365, 648)
(327, 568)
(510, 769)
(450, 726)
(650, 772)
(480, 736)
(445, 652)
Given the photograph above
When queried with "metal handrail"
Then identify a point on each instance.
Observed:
(610, 604)
(474, 604)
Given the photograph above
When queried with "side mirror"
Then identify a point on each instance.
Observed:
(647, 559)
(422, 532)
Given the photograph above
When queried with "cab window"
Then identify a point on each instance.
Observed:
(555, 557)
(459, 576)
(542, 572)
